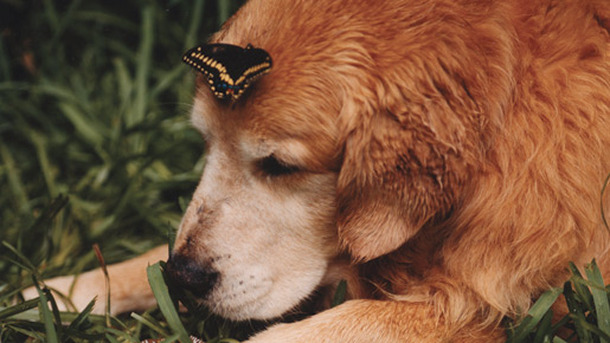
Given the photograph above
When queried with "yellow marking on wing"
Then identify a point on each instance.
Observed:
(252, 70)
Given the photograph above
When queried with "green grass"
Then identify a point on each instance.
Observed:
(96, 148)
(587, 321)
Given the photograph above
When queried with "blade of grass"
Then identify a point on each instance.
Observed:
(32, 315)
(19, 308)
(580, 287)
(228, 340)
(26, 262)
(54, 312)
(28, 333)
(152, 324)
(119, 333)
(224, 9)
(14, 180)
(602, 202)
(576, 311)
(46, 167)
(143, 66)
(171, 239)
(168, 80)
(594, 329)
(165, 302)
(60, 91)
(51, 12)
(100, 258)
(64, 21)
(535, 314)
(86, 128)
(340, 293)
(106, 19)
(124, 81)
(560, 324)
(82, 317)
(47, 316)
(600, 298)
(195, 23)
(543, 333)
(170, 338)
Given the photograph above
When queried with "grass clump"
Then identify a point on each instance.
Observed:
(588, 318)
(95, 147)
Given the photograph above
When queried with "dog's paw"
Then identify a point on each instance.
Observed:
(345, 323)
(73, 293)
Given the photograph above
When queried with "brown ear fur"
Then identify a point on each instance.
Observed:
(411, 143)
(397, 173)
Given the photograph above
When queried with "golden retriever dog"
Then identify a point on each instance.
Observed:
(444, 157)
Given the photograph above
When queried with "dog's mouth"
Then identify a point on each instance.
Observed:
(243, 293)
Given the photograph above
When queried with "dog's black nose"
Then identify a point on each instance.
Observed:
(187, 274)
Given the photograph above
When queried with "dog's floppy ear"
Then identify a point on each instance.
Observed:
(400, 166)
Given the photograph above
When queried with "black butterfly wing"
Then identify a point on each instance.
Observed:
(206, 59)
(257, 62)
(229, 69)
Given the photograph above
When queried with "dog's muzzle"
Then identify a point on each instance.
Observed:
(184, 273)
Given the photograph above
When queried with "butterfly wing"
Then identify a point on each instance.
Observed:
(207, 59)
(257, 62)
(229, 69)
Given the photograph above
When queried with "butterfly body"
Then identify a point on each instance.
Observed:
(229, 69)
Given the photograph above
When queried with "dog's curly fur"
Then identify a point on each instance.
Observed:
(477, 132)
(467, 143)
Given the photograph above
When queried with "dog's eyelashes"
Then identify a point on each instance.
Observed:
(271, 166)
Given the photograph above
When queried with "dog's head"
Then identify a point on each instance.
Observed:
(350, 143)
(260, 230)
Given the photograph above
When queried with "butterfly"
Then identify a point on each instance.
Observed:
(229, 69)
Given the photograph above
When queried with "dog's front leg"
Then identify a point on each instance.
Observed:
(129, 289)
(377, 321)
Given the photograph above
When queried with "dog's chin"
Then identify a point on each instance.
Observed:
(264, 300)
(267, 310)
(264, 308)
(258, 310)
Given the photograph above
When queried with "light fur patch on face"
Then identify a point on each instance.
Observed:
(202, 122)
(269, 237)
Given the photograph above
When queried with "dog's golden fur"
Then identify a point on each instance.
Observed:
(459, 146)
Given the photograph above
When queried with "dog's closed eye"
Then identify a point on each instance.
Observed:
(271, 166)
